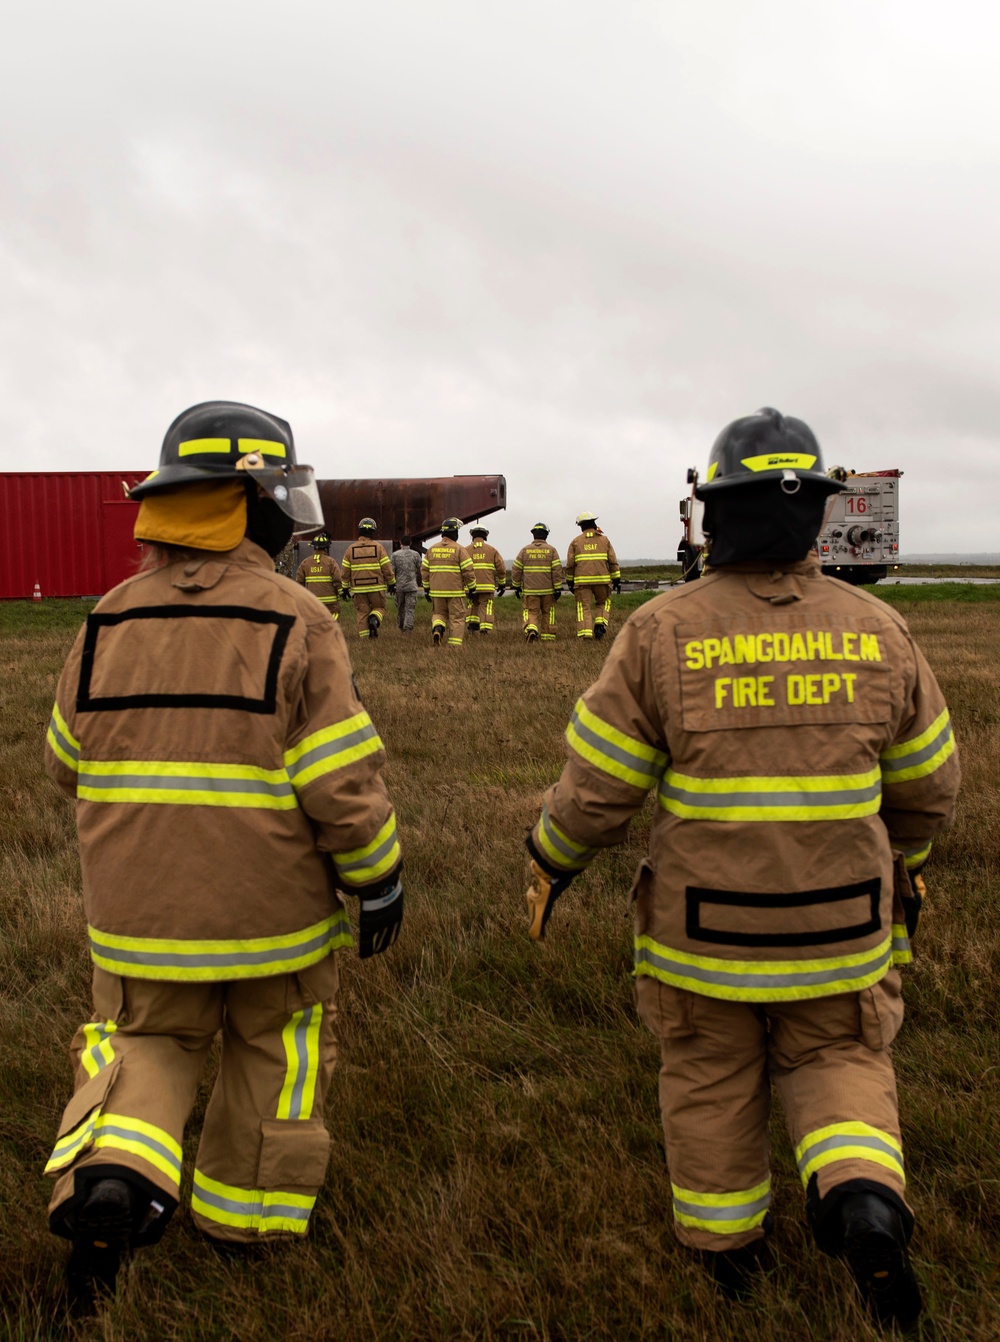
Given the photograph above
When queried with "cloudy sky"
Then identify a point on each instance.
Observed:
(562, 240)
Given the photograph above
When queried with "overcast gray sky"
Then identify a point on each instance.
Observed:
(566, 240)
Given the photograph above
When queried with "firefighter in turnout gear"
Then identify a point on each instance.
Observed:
(536, 577)
(803, 761)
(491, 579)
(448, 580)
(592, 573)
(368, 574)
(227, 785)
(320, 575)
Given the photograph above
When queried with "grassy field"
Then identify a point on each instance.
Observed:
(498, 1169)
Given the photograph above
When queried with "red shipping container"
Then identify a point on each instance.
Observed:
(71, 531)
(68, 531)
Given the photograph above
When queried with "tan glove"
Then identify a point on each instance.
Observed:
(542, 893)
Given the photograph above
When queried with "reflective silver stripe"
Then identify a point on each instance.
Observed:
(69, 750)
(894, 764)
(853, 1139)
(636, 763)
(108, 1128)
(310, 1018)
(736, 1211)
(574, 857)
(254, 1206)
(202, 960)
(745, 980)
(371, 859)
(327, 750)
(804, 800)
(135, 782)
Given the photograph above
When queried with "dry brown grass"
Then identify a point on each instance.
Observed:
(498, 1168)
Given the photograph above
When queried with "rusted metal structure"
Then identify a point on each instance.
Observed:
(409, 507)
(71, 531)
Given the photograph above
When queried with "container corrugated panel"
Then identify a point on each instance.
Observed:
(68, 531)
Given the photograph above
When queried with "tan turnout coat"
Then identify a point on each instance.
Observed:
(226, 775)
(799, 751)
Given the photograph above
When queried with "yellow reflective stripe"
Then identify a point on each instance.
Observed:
(918, 742)
(98, 1050)
(191, 961)
(196, 446)
(921, 755)
(848, 1141)
(916, 857)
(762, 980)
(264, 1210)
(62, 741)
(185, 783)
(776, 461)
(69, 1146)
(722, 1213)
(820, 797)
(332, 748)
(266, 446)
(901, 953)
(361, 866)
(612, 750)
(300, 1038)
(559, 848)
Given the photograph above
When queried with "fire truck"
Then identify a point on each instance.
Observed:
(859, 542)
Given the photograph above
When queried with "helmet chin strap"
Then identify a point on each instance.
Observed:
(267, 525)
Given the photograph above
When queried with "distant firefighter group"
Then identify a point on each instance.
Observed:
(461, 582)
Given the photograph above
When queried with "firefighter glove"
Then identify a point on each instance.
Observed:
(347, 594)
(500, 589)
(427, 595)
(517, 592)
(569, 583)
(543, 891)
(616, 584)
(392, 590)
(913, 904)
(557, 594)
(381, 915)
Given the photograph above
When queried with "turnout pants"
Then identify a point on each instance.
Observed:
(481, 609)
(448, 618)
(829, 1062)
(365, 604)
(406, 609)
(264, 1148)
(593, 606)
(539, 614)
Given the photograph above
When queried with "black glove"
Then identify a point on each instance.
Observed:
(557, 594)
(616, 585)
(517, 592)
(427, 595)
(347, 594)
(500, 590)
(392, 590)
(381, 915)
(913, 903)
(569, 583)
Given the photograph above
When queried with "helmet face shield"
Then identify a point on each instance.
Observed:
(293, 489)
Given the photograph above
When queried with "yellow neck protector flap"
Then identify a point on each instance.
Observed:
(209, 516)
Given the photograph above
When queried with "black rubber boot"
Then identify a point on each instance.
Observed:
(735, 1271)
(472, 627)
(599, 631)
(532, 636)
(373, 624)
(874, 1245)
(102, 1236)
(437, 638)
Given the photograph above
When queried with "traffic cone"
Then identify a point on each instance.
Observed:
(37, 593)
